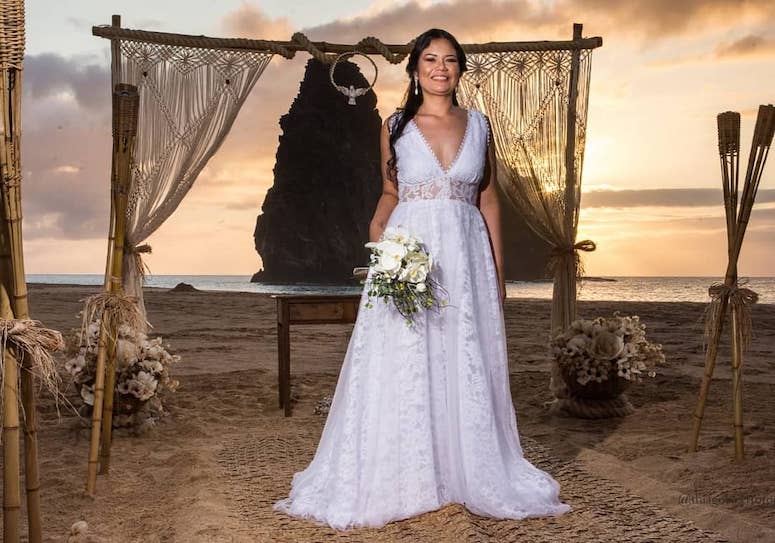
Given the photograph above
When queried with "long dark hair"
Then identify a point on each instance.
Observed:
(413, 101)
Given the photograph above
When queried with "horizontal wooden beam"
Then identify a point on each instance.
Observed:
(299, 42)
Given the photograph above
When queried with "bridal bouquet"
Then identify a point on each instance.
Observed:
(142, 372)
(400, 271)
(595, 349)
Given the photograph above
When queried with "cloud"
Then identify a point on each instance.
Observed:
(49, 74)
(66, 147)
(250, 22)
(398, 22)
(663, 197)
(750, 45)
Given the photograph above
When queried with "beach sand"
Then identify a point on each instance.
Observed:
(170, 484)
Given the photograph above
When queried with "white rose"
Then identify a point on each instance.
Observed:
(126, 352)
(388, 264)
(417, 272)
(420, 287)
(397, 233)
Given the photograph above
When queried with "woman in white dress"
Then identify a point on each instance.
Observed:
(422, 416)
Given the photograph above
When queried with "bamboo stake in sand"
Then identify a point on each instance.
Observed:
(12, 41)
(125, 108)
(729, 295)
(11, 480)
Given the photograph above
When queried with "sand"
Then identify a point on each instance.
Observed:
(169, 484)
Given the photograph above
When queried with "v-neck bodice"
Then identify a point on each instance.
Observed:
(460, 146)
(421, 176)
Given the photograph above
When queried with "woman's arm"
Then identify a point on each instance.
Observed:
(389, 198)
(490, 209)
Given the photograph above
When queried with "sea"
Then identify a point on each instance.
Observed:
(645, 289)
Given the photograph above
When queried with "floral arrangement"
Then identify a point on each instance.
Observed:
(142, 371)
(594, 349)
(400, 270)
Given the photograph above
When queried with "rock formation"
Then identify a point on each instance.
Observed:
(327, 181)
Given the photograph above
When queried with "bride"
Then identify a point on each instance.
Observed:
(422, 416)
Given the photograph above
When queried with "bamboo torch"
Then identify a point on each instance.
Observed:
(729, 296)
(729, 154)
(125, 108)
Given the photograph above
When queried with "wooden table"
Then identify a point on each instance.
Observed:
(306, 309)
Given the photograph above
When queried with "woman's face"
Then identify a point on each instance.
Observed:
(437, 68)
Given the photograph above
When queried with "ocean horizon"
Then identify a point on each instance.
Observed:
(616, 288)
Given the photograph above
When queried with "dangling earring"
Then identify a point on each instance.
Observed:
(416, 85)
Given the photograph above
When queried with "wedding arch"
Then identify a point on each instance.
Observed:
(176, 97)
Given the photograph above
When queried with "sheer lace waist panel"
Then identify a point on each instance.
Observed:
(438, 189)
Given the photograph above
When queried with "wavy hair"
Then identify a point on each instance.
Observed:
(413, 101)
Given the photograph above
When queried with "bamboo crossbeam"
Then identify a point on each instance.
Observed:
(288, 49)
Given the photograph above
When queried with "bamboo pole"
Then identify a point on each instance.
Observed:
(12, 213)
(11, 476)
(119, 189)
(564, 289)
(99, 386)
(737, 383)
(13, 277)
(125, 108)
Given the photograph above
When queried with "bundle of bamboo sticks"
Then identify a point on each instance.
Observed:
(730, 297)
(114, 308)
(26, 345)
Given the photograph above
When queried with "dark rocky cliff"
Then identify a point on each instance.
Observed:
(315, 218)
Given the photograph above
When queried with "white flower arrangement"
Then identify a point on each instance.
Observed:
(593, 349)
(401, 271)
(142, 370)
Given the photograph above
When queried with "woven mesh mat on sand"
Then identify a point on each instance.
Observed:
(259, 470)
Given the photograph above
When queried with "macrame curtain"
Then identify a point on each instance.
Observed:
(527, 97)
(537, 106)
(189, 98)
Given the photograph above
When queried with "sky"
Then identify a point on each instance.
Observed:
(651, 176)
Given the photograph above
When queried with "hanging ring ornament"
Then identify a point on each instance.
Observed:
(351, 91)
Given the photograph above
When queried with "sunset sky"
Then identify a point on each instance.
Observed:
(651, 173)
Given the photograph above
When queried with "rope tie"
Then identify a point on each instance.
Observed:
(559, 253)
(134, 252)
(11, 180)
(369, 42)
(740, 299)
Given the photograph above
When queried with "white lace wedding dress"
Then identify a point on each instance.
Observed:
(423, 416)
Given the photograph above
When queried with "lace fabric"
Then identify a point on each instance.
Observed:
(437, 189)
(422, 416)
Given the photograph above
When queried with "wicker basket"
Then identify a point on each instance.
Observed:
(611, 388)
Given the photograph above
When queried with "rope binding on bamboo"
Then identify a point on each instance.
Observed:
(740, 300)
(11, 35)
